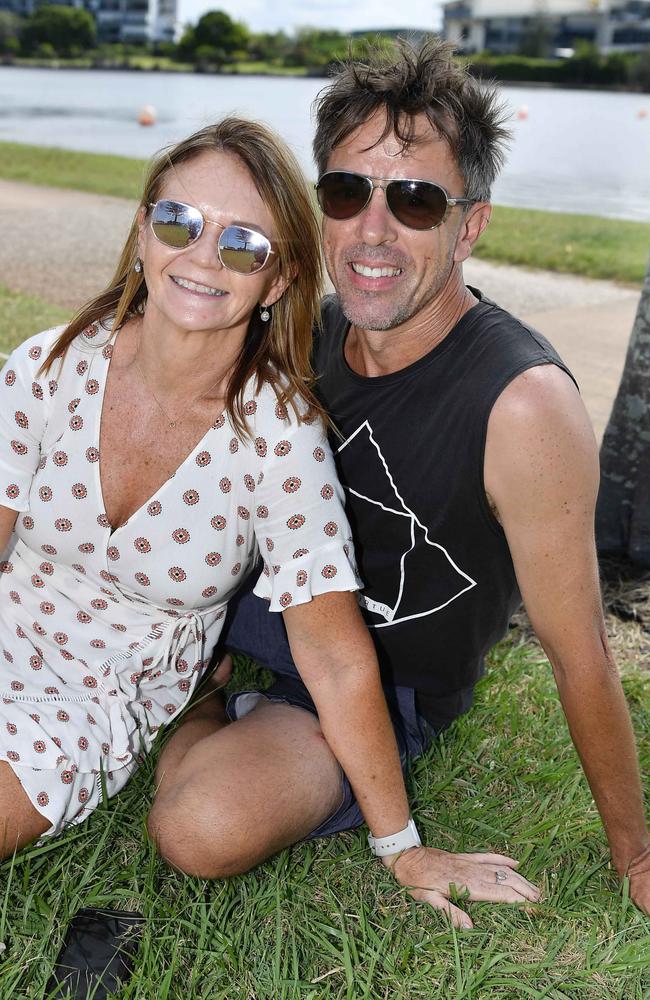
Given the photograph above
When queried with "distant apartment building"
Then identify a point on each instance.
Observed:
(135, 20)
(126, 21)
(502, 25)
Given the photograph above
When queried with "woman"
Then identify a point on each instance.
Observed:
(146, 450)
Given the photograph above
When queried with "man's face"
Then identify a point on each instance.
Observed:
(415, 264)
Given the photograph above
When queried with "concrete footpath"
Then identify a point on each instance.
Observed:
(62, 246)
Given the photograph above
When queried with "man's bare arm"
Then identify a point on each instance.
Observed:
(541, 471)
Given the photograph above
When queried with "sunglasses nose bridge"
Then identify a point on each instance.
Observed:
(214, 243)
(205, 245)
(376, 218)
(213, 222)
(375, 185)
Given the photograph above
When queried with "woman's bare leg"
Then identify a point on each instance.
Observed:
(20, 823)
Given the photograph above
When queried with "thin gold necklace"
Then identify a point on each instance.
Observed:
(173, 422)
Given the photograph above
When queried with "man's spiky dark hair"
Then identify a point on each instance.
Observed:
(409, 83)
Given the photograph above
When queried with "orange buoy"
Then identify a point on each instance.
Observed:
(147, 115)
(642, 113)
(522, 114)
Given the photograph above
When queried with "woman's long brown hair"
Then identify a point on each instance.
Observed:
(277, 352)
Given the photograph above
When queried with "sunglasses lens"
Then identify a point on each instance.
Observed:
(416, 204)
(341, 195)
(243, 250)
(175, 224)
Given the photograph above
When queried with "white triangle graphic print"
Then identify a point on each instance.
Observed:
(417, 579)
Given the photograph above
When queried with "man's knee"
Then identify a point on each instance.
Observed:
(261, 785)
(212, 835)
(207, 839)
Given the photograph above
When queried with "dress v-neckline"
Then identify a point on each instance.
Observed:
(200, 444)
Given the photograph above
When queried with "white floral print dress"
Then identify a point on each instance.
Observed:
(104, 634)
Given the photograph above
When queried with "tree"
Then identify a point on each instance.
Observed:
(10, 25)
(317, 47)
(640, 70)
(66, 29)
(216, 32)
(536, 39)
(270, 47)
(623, 511)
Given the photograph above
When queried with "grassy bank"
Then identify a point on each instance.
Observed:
(325, 921)
(149, 62)
(578, 244)
(120, 176)
(23, 315)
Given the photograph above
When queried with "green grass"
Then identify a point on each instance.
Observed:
(95, 172)
(266, 68)
(579, 244)
(149, 61)
(21, 316)
(325, 921)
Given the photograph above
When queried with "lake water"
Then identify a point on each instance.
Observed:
(573, 151)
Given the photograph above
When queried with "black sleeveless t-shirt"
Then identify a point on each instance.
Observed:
(439, 581)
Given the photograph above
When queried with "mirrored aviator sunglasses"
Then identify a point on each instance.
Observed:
(239, 249)
(417, 204)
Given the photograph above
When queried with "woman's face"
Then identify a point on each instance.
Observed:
(190, 290)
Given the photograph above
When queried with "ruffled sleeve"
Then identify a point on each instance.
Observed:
(300, 522)
(24, 405)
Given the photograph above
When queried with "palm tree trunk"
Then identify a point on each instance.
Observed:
(623, 511)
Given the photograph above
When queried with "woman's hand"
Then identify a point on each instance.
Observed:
(432, 876)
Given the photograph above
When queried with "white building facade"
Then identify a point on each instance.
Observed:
(502, 25)
(136, 21)
(128, 21)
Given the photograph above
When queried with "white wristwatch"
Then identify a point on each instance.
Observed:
(396, 842)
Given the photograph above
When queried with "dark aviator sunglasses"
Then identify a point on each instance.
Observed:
(239, 249)
(417, 204)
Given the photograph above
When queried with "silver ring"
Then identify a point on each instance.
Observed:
(500, 876)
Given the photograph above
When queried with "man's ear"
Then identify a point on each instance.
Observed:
(473, 224)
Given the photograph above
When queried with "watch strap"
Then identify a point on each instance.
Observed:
(381, 847)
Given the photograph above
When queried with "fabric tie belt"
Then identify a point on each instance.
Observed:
(184, 635)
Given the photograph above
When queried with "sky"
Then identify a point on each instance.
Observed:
(345, 15)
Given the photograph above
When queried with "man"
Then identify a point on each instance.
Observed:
(471, 472)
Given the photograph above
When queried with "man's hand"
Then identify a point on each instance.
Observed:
(639, 875)
(431, 876)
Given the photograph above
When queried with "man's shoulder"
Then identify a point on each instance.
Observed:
(490, 314)
(517, 346)
(328, 335)
(332, 316)
(539, 397)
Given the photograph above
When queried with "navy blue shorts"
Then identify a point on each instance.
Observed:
(256, 632)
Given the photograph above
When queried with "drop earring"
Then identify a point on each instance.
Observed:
(265, 315)
(137, 267)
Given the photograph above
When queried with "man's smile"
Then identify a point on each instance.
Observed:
(375, 272)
